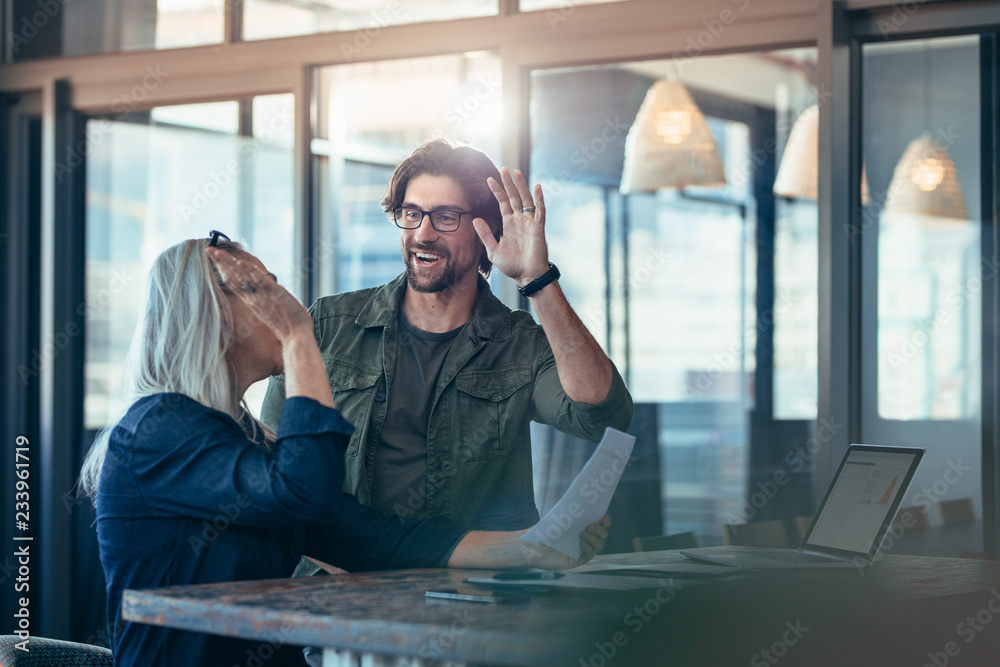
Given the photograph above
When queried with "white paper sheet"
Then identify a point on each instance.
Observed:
(587, 498)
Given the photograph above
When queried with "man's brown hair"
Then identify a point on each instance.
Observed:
(466, 166)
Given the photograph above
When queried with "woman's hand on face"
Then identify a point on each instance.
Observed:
(273, 305)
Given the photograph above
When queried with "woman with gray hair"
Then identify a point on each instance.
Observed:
(190, 488)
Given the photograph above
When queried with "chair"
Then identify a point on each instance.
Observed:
(801, 526)
(759, 534)
(664, 542)
(916, 516)
(956, 511)
(44, 652)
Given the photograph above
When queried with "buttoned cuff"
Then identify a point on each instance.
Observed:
(306, 416)
(615, 408)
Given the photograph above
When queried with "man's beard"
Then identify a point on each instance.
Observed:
(448, 276)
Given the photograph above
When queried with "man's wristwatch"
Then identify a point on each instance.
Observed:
(541, 281)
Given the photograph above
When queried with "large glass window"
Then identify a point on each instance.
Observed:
(922, 271)
(372, 116)
(282, 18)
(668, 276)
(563, 9)
(156, 178)
(62, 28)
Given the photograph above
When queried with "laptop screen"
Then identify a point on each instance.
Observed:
(862, 500)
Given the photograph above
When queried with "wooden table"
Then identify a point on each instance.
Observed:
(907, 610)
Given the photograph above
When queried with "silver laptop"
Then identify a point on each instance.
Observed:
(851, 522)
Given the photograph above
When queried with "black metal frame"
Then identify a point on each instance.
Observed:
(839, 236)
(841, 36)
(20, 142)
(62, 386)
(989, 68)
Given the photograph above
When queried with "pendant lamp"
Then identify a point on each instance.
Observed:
(669, 145)
(798, 174)
(924, 182)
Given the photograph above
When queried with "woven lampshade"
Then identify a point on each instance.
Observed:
(669, 144)
(798, 175)
(925, 183)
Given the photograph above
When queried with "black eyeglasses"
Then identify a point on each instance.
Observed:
(213, 237)
(444, 220)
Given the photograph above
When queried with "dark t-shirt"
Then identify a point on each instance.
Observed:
(399, 482)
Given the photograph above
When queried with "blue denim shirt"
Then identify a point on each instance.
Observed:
(185, 497)
(498, 377)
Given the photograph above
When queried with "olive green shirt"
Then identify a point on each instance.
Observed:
(499, 375)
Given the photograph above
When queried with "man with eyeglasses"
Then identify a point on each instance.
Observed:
(440, 379)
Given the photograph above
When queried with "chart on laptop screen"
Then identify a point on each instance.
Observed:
(860, 500)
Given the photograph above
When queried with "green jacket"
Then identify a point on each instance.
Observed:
(499, 375)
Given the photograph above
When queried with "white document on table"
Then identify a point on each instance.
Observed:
(587, 499)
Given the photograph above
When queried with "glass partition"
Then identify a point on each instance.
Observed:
(370, 117)
(922, 276)
(63, 28)
(156, 178)
(668, 276)
(263, 19)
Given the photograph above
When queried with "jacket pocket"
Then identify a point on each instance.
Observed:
(488, 401)
(353, 388)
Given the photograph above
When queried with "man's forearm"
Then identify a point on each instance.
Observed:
(489, 549)
(585, 371)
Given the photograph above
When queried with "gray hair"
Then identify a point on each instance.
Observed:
(180, 345)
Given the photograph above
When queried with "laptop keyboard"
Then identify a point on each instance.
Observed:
(783, 555)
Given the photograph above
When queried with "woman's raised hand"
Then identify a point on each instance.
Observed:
(273, 305)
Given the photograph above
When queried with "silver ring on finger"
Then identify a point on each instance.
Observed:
(250, 286)
(528, 209)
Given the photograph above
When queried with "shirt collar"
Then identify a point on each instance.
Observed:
(490, 318)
